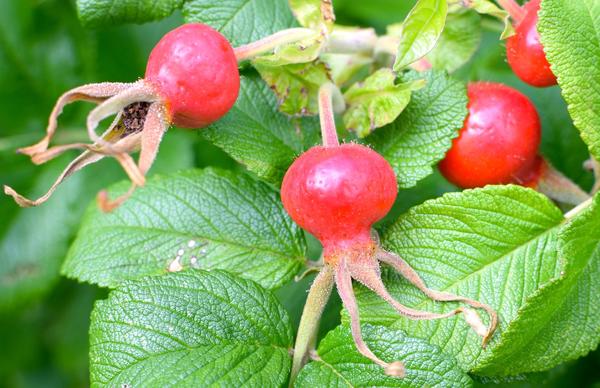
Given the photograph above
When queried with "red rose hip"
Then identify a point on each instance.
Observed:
(338, 193)
(191, 81)
(499, 141)
(524, 50)
(195, 70)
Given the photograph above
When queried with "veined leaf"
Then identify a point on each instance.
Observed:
(257, 135)
(420, 31)
(36, 240)
(423, 133)
(340, 364)
(487, 7)
(296, 85)
(189, 329)
(458, 41)
(570, 32)
(376, 101)
(100, 13)
(497, 245)
(198, 218)
(561, 321)
(343, 68)
(241, 21)
(303, 51)
(313, 13)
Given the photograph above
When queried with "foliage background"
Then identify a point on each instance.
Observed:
(44, 51)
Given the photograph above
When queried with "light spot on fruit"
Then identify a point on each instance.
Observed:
(191, 244)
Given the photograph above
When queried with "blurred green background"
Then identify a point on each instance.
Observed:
(43, 52)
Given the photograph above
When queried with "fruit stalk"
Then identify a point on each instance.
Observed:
(326, 117)
(311, 316)
(515, 11)
(556, 186)
(268, 44)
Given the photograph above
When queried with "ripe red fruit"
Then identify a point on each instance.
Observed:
(337, 193)
(499, 141)
(195, 70)
(191, 80)
(525, 52)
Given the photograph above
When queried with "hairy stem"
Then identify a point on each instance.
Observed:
(578, 209)
(311, 315)
(271, 42)
(556, 186)
(326, 117)
(513, 8)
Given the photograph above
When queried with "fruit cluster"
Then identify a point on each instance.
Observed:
(335, 191)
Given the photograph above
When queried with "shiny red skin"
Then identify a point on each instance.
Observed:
(195, 70)
(337, 193)
(499, 141)
(525, 53)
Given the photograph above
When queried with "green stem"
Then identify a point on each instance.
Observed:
(271, 42)
(309, 322)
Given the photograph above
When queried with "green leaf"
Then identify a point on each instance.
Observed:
(561, 321)
(36, 240)
(313, 13)
(199, 218)
(190, 329)
(458, 42)
(241, 21)
(296, 86)
(344, 68)
(376, 101)
(570, 32)
(340, 364)
(99, 13)
(420, 31)
(303, 51)
(44, 51)
(256, 134)
(487, 7)
(497, 245)
(421, 135)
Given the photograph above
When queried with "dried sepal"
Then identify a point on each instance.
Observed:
(137, 92)
(140, 122)
(91, 92)
(343, 281)
(86, 158)
(413, 277)
(155, 125)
